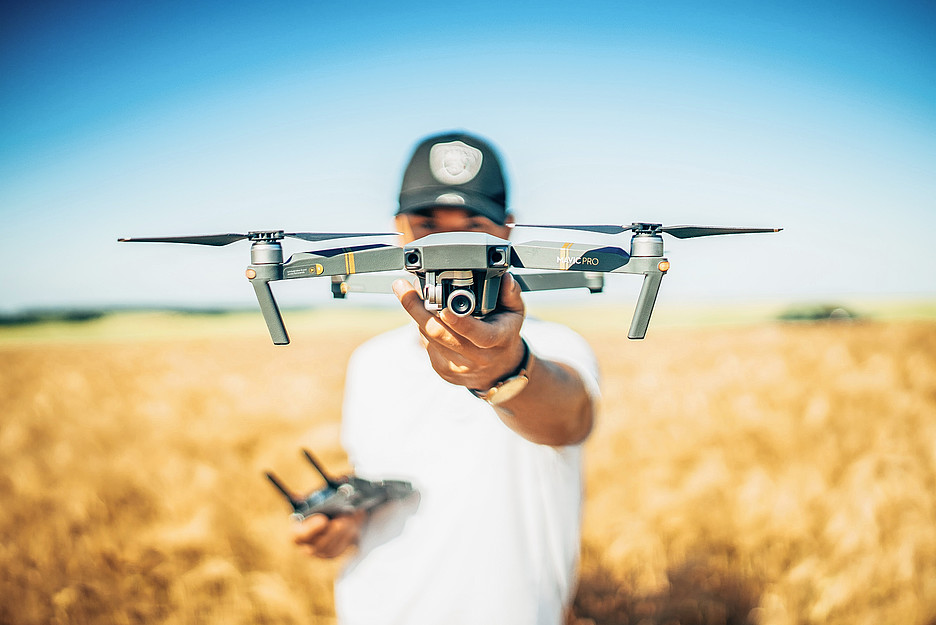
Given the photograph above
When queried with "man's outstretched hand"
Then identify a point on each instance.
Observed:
(468, 351)
(555, 408)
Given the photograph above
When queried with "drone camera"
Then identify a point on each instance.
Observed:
(459, 291)
(461, 302)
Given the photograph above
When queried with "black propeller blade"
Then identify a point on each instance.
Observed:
(680, 232)
(325, 236)
(257, 235)
(207, 239)
(688, 232)
(605, 229)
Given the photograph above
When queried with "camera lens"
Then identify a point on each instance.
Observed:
(461, 302)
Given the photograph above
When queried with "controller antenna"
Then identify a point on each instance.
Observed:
(293, 499)
(332, 482)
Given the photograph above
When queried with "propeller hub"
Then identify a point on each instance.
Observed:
(642, 228)
(265, 235)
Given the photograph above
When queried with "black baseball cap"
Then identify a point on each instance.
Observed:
(455, 170)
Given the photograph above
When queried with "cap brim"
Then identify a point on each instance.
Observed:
(426, 199)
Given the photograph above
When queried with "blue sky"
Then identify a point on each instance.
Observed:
(132, 119)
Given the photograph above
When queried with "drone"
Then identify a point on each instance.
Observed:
(341, 496)
(461, 271)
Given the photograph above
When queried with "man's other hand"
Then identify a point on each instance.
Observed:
(322, 537)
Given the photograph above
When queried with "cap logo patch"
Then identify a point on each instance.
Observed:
(455, 162)
(452, 199)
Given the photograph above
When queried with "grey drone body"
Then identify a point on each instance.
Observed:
(463, 271)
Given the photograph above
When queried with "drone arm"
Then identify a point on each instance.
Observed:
(344, 261)
(381, 282)
(267, 268)
(572, 257)
(551, 280)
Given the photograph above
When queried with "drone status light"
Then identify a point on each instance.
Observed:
(251, 274)
(663, 265)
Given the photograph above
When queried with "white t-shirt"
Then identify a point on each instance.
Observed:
(493, 536)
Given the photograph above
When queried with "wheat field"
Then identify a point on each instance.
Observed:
(772, 474)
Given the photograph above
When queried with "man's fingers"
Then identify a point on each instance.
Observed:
(309, 529)
(342, 532)
(411, 300)
(482, 333)
(459, 334)
(328, 538)
(430, 326)
(449, 363)
(332, 542)
(496, 329)
(510, 295)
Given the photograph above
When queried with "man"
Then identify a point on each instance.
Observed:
(493, 536)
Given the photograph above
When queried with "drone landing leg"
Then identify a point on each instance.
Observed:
(270, 310)
(645, 302)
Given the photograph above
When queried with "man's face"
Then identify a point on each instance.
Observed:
(417, 225)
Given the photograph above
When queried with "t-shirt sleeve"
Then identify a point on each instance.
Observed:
(554, 341)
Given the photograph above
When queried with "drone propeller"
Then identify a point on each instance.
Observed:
(680, 232)
(689, 232)
(325, 236)
(255, 235)
(607, 229)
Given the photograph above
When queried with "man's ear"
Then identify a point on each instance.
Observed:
(402, 225)
(506, 229)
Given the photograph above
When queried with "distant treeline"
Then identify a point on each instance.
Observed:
(806, 312)
(30, 317)
(818, 312)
